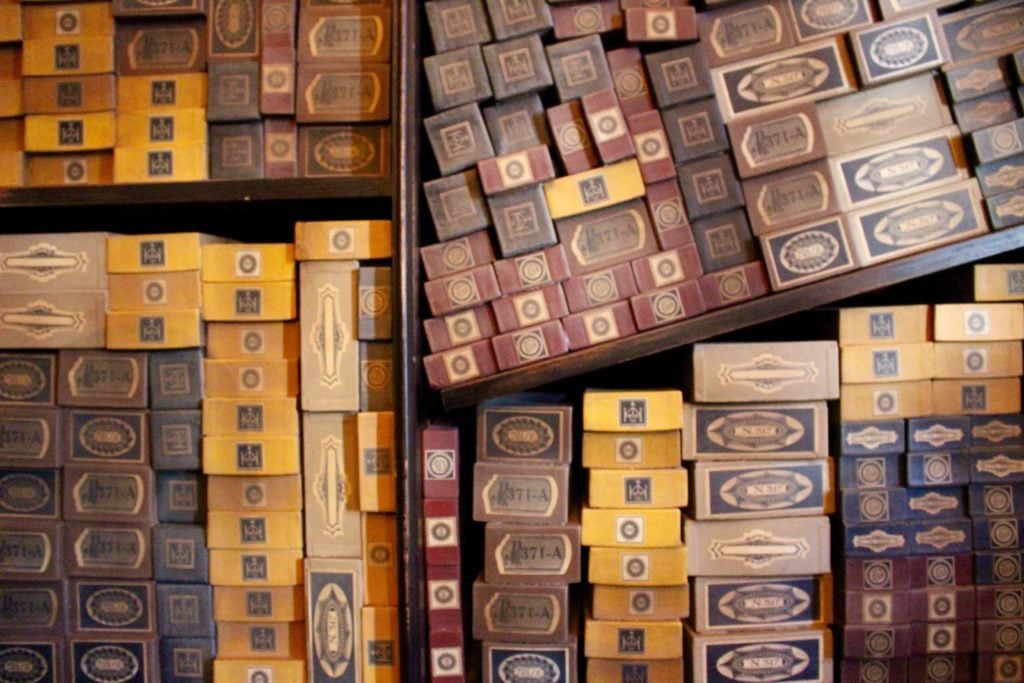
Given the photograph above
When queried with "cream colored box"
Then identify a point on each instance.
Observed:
(377, 467)
(886, 363)
(158, 291)
(53, 319)
(252, 340)
(248, 262)
(260, 301)
(164, 329)
(381, 645)
(765, 371)
(69, 132)
(270, 603)
(380, 558)
(161, 92)
(976, 396)
(617, 450)
(330, 465)
(241, 530)
(639, 488)
(160, 164)
(255, 567)
(979, 322)
(251, 456)
(884, 324)
(761, 547)
(327, 320)
(56, 260)
(260, 641)
(250, 418)
(257, 377)
(961, 360)
(637, 566)
(632, 411)
(633, 639)
(624, 602)
(630, 528)
(163, 252)
(342, 240)
(886, 400)
(178, 128)
(998, 282)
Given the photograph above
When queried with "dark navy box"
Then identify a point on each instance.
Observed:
(176, 379)
(34, 658)
(129, 660)
(945, 468)
(180, 554)
(181, 497)
(947, 537)
(990, 465)
(878, 471)
(998, 533)
(187, 660)
(872, 437)
(998, 567)
(113, 608)
(938, 433)
(870, 506)
(997, 431)
(184, 610)
(995, 499)
(877, 540)
(940, 502)
(175, 439)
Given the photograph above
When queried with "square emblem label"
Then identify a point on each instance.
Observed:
(633, 412)
(638, 490)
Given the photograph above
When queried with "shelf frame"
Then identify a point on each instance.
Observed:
(732, 318)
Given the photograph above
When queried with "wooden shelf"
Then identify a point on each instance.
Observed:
(207, 191)
(733, 318)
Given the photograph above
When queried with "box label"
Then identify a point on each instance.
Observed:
(25, 493)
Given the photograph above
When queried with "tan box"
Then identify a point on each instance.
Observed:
(380, 559)
(381, 645)
(241, 494)
(255, 567)
(263, 378)
(615, 450)
(954, 360)
(247, 456)
(12, 135)
(269, 603)
(342, 240)
(178, 128)
(886, 362)
(633, 639)
(765, 371)
(884, 324)
(976, 396)
(264, 530)
(248, 262)
(279, 671)
(886, 400)
(763, 547)
(330, 465)
(237, 302)
(62, 20)
(10, 23)
(637, 566)
(250, 418)
(330, 353)
(979, 322)
(11, 97)
(617, 670)
(622, 602)
(36, 262)
(998, 282)
(265, 640)
(12, 169)
(630, 411)
(69, 132)
(156, 292)
(377, 467)
(164, 252)
(252, 340)
(637, 488)
(630, 528)
(344, 34)
(594, 189)
(165, 329)
(69, 55)
(53, 319)
(90, 168)
(155, 164)
(165, 91)
(520, 493)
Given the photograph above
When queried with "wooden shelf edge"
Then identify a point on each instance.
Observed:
(733, 318)
(207, 191)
